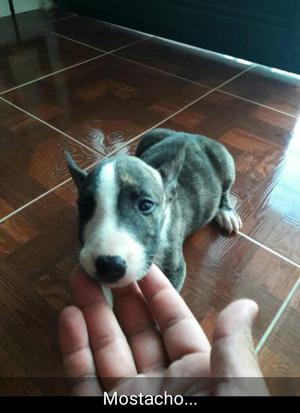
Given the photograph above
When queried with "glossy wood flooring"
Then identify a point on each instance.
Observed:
(93, 88)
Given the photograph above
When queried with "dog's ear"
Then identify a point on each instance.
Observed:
(170, 171)
(77, 174)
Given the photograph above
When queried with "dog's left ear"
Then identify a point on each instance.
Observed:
(77, 174)
(170, 171)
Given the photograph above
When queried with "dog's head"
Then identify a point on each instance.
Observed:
(124, 207)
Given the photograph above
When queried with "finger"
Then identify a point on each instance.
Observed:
(194, 373)
(233, 351)
(77, 356)
(140, 329)
(181, 332)
(112, 354)
(233, 354)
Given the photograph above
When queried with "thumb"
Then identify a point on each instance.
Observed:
(233, 354)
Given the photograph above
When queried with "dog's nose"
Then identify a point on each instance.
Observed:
(110, 268)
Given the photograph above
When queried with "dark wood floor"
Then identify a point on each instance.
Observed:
(98, 100)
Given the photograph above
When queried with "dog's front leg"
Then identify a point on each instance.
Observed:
(174, 267)
(179, 273)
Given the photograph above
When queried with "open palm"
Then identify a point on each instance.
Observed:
(152, 333)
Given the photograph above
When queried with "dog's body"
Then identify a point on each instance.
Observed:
(203, 187)
(134, 211)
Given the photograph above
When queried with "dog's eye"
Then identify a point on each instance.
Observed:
(146, 205)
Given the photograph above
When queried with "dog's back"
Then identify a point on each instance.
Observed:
(207, 172)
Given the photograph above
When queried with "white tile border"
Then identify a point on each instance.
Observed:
(73, 40)
(258, 104)
(277, 317)
(90, 149)
(259, 244)
(50, 74)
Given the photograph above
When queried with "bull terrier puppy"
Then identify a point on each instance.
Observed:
(138, 210)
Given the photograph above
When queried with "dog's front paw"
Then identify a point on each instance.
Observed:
(229, 219)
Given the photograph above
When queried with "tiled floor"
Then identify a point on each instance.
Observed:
(56, 92)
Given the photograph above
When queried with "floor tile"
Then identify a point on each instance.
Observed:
(32, 158)
(224, 268)
(264, 144)
(101, 35)
(41, 244)
(105, 102)
(280, 356)
(191, 63)
(30, 305)
(12, 378)
(268, 87)
(36, 54)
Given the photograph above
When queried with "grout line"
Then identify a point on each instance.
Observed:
(269, 250)
(238, 75)
(183, 78)
(73, 40)
(51, 74)
(127, 45)
(258, 104)
(277, 317)
(93, 47)
(58, 185)
(107, 23)
(122, 27)
(54, 21)
(167, 118)
(50, 126)
(33, 201)
(161, 71)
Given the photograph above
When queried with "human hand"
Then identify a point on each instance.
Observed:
(152, 333)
